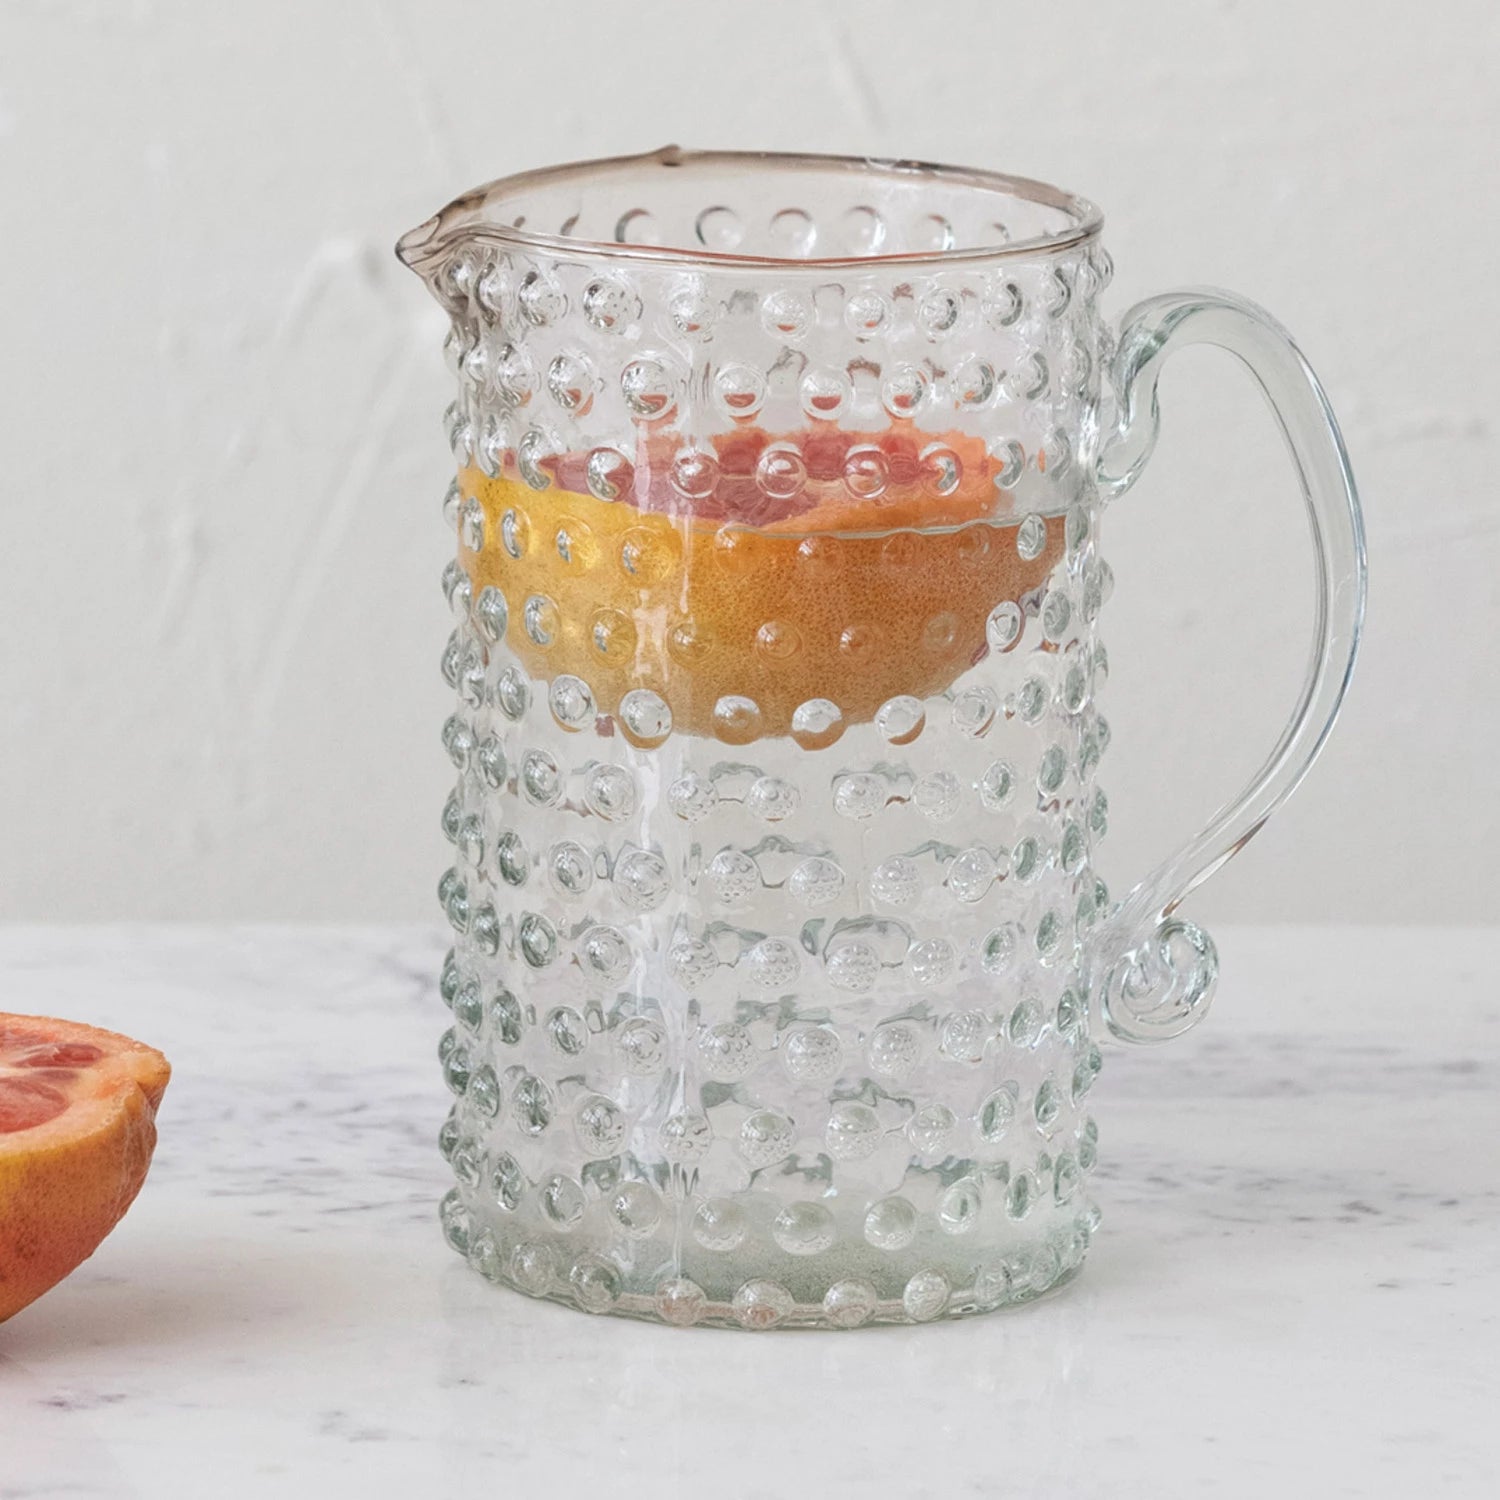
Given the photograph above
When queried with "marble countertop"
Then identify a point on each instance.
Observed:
(1294, 1290)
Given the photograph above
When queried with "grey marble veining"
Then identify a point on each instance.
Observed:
(1296, 1288)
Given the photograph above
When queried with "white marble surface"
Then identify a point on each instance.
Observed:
(1294, 1290)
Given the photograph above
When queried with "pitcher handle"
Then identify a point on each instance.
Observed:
(1152, 974)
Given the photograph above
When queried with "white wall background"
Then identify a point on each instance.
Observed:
(220, 395)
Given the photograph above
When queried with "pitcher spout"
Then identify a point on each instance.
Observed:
(429, 249)
(414, 247)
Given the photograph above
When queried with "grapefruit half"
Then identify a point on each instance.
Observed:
(77, 1129)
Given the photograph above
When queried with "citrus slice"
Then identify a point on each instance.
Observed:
(738, 616)
(77, 1129)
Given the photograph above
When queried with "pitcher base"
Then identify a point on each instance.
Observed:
(804, 1298)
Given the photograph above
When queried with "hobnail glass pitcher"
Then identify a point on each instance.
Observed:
(780, 963)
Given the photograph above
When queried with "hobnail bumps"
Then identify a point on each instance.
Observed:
(776, 665)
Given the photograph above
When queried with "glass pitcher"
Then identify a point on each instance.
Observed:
(780, 963)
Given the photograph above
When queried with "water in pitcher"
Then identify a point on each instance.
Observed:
(778, 682)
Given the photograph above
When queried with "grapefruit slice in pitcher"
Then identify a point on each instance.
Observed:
(77, 1129)
(756, 586)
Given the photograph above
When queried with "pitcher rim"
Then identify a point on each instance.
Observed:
(462, 219)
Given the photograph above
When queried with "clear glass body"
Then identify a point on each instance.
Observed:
(777, 963)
